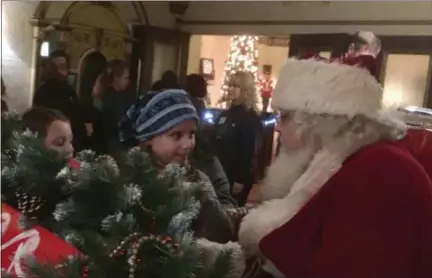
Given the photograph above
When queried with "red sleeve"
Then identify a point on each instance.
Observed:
(419, 143)
(372, 229)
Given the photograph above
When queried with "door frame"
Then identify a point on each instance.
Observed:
(143, 53)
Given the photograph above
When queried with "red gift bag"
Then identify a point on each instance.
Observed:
(17, 244)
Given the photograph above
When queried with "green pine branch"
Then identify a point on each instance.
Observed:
(99, 205)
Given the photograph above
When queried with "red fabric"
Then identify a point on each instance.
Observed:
(73, 163)
(18, 244)
(419, 143)
(373, 219)
(363, 61)
(266, 88)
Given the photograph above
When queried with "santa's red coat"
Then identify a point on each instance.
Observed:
(74, 164)
(419, 143)
(372, 219)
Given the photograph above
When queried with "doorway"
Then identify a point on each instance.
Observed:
(92, 64)
(158, 50)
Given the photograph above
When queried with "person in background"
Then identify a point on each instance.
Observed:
(170, 80)
(157, 86)
(196, 87)
(96, 137)
(203, 156)
(164, 125)
(237, 133)
(266, 87)
(114, 103)
(56, 93)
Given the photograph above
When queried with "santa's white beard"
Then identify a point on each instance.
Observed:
(288, 166)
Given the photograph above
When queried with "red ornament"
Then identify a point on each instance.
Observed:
(85, 272)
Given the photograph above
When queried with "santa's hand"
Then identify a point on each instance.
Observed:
(211, 250)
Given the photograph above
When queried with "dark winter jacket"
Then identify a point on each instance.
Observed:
(199, 105)
(204, 159)
(114, 106)
(213, 221)
(96, 141)
(237, 132)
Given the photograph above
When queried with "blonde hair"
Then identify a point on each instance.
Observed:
(247, 84)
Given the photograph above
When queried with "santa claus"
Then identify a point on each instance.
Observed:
(343, 199)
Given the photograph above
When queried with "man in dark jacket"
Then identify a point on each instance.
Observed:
(56, 93)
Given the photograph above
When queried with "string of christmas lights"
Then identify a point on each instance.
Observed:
(243, 56)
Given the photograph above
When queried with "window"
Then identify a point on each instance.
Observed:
(44, 50)
(406, 78)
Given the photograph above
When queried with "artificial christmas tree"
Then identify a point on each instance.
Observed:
(243, 56)
(108, 220)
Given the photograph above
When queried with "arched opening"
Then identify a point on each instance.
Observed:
(43, 8)
(99, 25)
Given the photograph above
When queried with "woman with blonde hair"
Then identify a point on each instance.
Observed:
(237, 131)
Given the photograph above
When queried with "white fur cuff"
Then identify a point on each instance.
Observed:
(212, 249)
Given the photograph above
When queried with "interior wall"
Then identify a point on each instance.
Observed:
(308, 17)
(404, 86)
(194, 55)
(19, 48)
(275, 56)
(218, 49)
(16, 49)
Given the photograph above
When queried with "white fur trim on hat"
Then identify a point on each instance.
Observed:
(327, 88)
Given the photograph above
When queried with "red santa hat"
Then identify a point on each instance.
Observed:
(316, 86)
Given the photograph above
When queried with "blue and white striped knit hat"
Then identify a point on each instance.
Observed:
(155, 113)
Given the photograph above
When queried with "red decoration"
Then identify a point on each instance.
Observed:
(17, 244)
(266, 87)
(73, 163)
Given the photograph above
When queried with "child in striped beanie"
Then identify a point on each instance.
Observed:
(164, 124)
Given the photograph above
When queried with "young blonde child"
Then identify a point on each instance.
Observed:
(164, 125)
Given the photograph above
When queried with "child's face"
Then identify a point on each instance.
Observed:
(122, 81)
(175, 145)
(59, 137)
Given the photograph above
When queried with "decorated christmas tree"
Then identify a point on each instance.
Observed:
(243, 56)
(99, 220)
